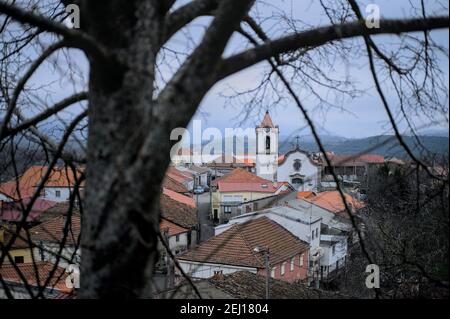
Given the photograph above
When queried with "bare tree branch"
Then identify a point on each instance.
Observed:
(323, 35)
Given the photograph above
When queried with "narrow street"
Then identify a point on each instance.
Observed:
(203, 204)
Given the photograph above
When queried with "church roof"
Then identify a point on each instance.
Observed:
(240, 180)
(267, 121)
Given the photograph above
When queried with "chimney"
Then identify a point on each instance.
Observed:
(218, 275)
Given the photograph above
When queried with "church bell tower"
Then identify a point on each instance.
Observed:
(267, 149)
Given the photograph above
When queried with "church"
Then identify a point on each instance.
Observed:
(296, 167)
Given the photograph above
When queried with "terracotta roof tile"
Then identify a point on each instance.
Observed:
(58, 281)
(332, 201)
(235, 245)
(53, 230)
(171, 228)
(179, 176)
(267, 121)
(247, 285)
(173, 185)
(240, 180)
(350, 160)
(59, 177)
(178, 212)
(12, 211)
(21, 240)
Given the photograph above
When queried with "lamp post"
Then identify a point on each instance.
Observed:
(266, 252)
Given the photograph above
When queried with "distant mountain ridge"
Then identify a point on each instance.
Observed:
(386, 145)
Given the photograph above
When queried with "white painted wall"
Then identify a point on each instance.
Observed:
(267, 164)
(5, 198)
(51, 193)
(50, 251)
(340, 251)
(206, 270)
(308, 169)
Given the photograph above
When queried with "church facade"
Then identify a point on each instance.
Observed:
(296, 167)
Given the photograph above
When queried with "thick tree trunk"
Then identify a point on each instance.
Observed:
(129, 130)
(122, 190)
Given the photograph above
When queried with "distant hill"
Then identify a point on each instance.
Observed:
(386, 145)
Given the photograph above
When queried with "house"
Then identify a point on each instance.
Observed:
(35, 276)
(201, 175)
(180, 210)
(245, 285)
(303, 226)
(223, 164)
(21, 251)
(337, 231)
(173, 185)
(12, 211)
(351, 170)
(184, 178)
(50, 235)
(58, 186)
(300, 169)
(238, 187)
(176, 238)
(236, 249)
(323, 225)
(332, 202)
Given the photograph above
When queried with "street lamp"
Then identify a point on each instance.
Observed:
(266, 252)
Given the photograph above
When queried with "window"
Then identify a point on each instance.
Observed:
(19, 260)
(177, 238)
(301, 260)
(292, 263)
(312, 235)
(297, 165)
(57, 193)
(283, 268)
(333, 249)
(317, 232)
(272, 272)
(227, 209)
(267, 144)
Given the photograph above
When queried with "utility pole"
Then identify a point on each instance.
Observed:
(266, 252)
(266, 258)
(170, 271)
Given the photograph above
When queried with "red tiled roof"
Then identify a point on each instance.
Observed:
(267, 121)
(171, 228)
(173, 185)
(12, 211)
(53, 230)
(350, 160)
(332, 201)
(179, 176)
(183, 199)
(236, 245)
(21, 240)
(178, 212)
(58, 281)
(305, 194)
(240, 180)
(59, 177)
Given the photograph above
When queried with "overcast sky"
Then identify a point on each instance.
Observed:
(363, 116)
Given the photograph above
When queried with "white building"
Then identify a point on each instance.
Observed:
(326, 233)
(267, 149)
(297, 167)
